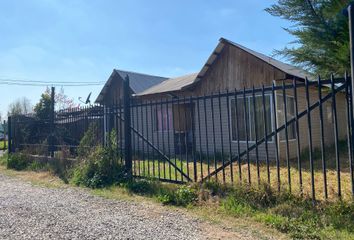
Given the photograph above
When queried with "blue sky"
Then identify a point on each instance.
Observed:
(82, 40)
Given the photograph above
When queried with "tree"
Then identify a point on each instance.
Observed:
(19, 107)
(321, 33)
(42, 108)
(62, 101)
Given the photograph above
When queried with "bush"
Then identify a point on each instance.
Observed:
(100, 169)
(88, 141)
(182, 196)
(185, 195)
(17, 161)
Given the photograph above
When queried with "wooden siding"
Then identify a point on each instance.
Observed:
(235, 68)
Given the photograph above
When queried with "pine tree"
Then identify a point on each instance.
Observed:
(321, 33)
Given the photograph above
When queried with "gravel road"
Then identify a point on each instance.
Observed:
(34, 212)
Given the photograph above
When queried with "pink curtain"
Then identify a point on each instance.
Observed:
(164, 119)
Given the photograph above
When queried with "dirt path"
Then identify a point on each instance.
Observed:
(33, 212)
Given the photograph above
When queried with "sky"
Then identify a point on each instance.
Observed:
(84, 40)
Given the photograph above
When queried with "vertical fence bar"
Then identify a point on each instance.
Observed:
(127, 126)
(276, 136)
(143, 134)
(148, 138)
(297, 132)
(153, 126)
(163, 130)
(222, 139)
(350, 128)
(324, 168)
(265, 132)
(179, 135)
(135, 147)
(51, 124)
(136, 140)
(286, 134)
(238, 138)
(120, 131)
(351, 36)
(195, 172)
(174, 138)
(229, 135)
(206, 133)
(186, 132)
(158, 138)
(9, 132)
(313, 194)
(335, 125)
(247, 134)
(200, 140)
(214, 143)
(116, 124)
(255, 133)
(4, 135)
(168, 139)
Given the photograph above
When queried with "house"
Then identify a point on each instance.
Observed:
(216, 126)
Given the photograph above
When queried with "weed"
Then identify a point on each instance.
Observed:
(17, 161)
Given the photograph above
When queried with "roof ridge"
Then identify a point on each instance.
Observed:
(126, 71)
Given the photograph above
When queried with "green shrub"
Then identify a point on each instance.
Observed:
(17, 161)
(100, 169)
(3, 159)
(89, 141)
(185, 195)
(37, 166)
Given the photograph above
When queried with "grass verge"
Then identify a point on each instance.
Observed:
(228, 204)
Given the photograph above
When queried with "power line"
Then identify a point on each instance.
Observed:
(36, 83)
(10, 80)
(49, 84)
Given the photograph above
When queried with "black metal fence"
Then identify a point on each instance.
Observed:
(294, 134)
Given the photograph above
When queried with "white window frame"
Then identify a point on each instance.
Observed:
(249, 119)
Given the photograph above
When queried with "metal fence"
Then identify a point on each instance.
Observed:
(294, 134)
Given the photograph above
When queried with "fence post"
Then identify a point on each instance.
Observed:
(350, 11)
(4, 135)
(127, 126)
(51, 123)
(9, 132)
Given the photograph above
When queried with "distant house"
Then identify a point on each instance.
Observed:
(113, 89)
(229, 67)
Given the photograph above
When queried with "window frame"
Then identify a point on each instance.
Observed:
(250, 103)
(280, 136)
(156, 122)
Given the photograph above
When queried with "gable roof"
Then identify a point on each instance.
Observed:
(171, 84)
(138, 81)
(287, 68)
(188, 80)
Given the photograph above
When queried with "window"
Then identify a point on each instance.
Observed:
(163, 119)
(290, 108)
(239, 120)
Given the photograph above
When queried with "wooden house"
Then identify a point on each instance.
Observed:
(229, 67)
